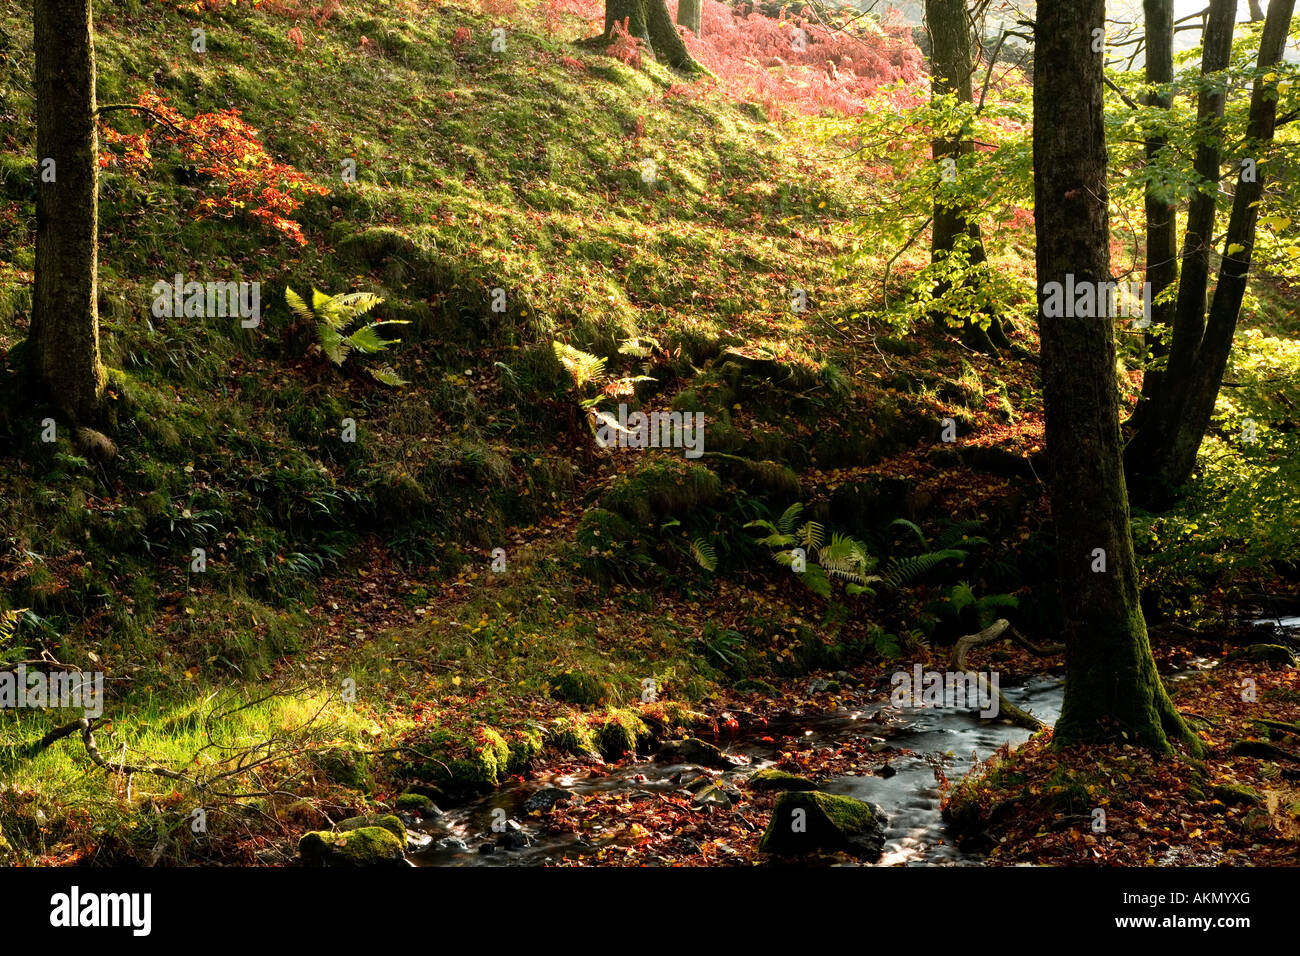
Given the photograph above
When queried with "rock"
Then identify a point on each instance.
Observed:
(806, 822)
(887, 771)
(514, 839)
(1233, 794)
(418, 803)
(773, 779)
(692, 750)
(362, 847)
(1264, 654)
(820, 685)
(453, 844)
(715, 796)
(545, 799)
(486, 848)
(387, 821)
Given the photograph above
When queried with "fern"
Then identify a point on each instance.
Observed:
(903, 571)
(583, 366)
(704, 554)
(334, 315)
(912, 527)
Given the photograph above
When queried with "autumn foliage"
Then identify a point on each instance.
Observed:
(767, 61)
(225, 149)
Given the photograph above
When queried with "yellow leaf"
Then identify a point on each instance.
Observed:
(1235, 248)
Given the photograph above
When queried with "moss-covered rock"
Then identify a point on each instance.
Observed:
(811, 821)
(572, 736)
(363, 847)
(773, 779)
(693, 750)
(1264, 654)
(620, 734)
(417, 803)
(1235, 794)
(387, 821)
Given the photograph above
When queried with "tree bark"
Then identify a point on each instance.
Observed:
(1161, 456)
(950, 73)
(650, 20)
(1161, 212)
(63, 341)
(689, 14)
(632, 11)
(1112, 690)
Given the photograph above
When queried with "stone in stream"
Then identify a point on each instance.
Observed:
(362, 847)
(419, 804)
(773, 779)
(716, 796)
(387, 821)
(804, 822)
(545, 799)
(693, 750)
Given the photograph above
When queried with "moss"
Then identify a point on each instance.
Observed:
(581, 689)
(571, 735)
(812, 820)
(662, 490)
(363, 847)
(416, 803)
(620, 734)
(386, 821)
(1235, 794)
(346, 766)
(752, 684)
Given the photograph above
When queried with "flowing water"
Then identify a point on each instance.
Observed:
(912, 739)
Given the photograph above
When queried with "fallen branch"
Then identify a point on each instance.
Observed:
(957, 662)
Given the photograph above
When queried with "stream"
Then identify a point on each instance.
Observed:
(911, 738)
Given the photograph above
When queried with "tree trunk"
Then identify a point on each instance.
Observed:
(650, 20)
(63, 341)
(1161, 456)
(1112, 690)
(1161, 212)
(633, 11)
(689, 14)
(950, 73)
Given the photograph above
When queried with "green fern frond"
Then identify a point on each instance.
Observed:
(902, 572)
(789, 517)
(297, 306)
(811, 535)
(704, 554)
(913, 527)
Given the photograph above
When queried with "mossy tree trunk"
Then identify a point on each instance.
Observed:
(1112, 690)
(63, 341)
(651, 21)
(1162, 454)
(690, 14)
(951, 68)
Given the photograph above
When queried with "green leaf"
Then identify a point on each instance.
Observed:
(388, 376)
